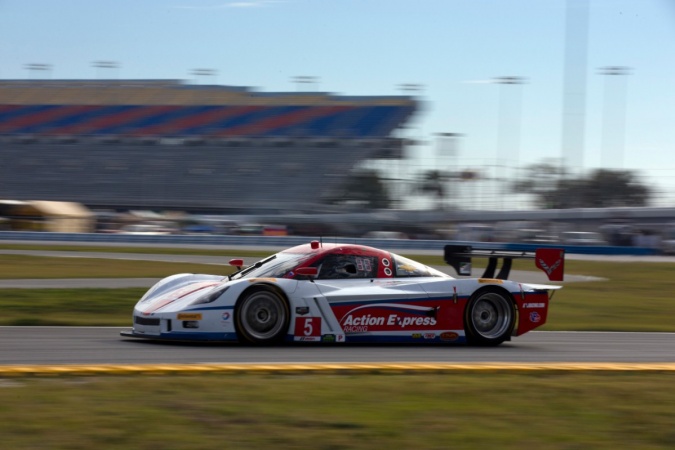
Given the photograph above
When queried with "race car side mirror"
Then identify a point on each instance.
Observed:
(238, 263)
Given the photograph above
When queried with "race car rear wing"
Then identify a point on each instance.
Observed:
(549, 260)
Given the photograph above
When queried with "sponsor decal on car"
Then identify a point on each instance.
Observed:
(226, 316)
(535, 317)
(189, 316)
(490, 280)
(417, 335)
(429, 335)
(307, 338)
(449, 336)
(551, 261)
(388, 317)
(328, 338)
(534, 305)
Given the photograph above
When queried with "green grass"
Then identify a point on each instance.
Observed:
(635, 297)
(546, 410)
(21, 267)
(68, 307)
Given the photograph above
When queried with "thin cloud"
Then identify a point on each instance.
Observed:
(236, 4)
(479, 81)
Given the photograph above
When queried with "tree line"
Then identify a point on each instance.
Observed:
(551, 187)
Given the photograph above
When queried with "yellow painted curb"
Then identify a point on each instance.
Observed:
(332, 368)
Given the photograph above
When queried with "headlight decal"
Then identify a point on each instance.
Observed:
(211, 296)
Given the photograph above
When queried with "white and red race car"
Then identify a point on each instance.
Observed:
(350, 293)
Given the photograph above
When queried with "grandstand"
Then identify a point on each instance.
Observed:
(150, 144)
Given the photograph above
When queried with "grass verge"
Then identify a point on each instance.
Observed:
(37, 267)
(546, 410)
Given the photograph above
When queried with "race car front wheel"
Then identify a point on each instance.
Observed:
(262, 316)
(489, 317)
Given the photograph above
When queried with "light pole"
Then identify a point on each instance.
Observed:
(614, 115)
(409, 134)
(101, 65)
(34, 67)
(410, 87)
(203, 97)
(301, 80)
(508, 132)
(447, 147)
(205, 73)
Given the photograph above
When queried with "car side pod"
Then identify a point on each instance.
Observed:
(550, 260)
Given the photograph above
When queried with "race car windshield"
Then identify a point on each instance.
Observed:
(408, 268)
(281, 265)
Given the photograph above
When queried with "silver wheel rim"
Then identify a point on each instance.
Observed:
(491, 315)
(263, 315)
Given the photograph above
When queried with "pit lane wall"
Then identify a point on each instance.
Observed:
(280, 242)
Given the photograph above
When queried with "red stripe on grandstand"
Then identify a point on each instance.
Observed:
(116, 119)
(153, 111)
(224, 131)
(202, 119)
(4, 127)
(9, 108)
(68, 111)
(40, 118)
(285, 120)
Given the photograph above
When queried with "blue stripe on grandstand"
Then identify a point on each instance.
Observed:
(371, 120)
(76, 118)
(303, 127)
(235, 121)
(270, 114)
(292, 129)
(120, 125)
(110, 112)
(23, 112)
(155, 119)
(203, 128)
(330, 125)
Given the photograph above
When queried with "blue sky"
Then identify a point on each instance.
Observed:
(452, 48)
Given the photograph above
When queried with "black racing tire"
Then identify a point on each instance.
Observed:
(262, 316)
(489, 317)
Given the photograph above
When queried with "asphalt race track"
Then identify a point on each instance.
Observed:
(92, 345)
(58, 347)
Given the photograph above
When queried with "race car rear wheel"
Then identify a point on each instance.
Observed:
(262, 316)
(489, 317)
